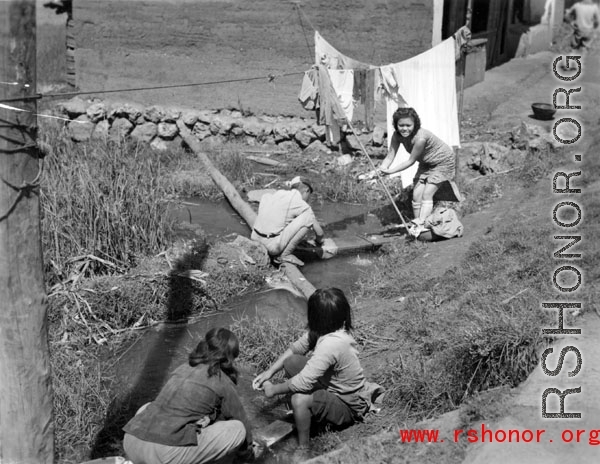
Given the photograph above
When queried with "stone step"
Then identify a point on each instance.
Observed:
(274, 432)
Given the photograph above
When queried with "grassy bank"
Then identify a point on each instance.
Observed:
(111, 267)
(103, 206)
(106, 239)
(474, 328)
(477, 326)
(266, 339)
(466, 337)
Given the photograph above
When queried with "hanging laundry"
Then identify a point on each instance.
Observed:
(427, 83)
(360, 76)
(369, 97)
(461, 37)
(364, 94)
(328, 56)
(309, 92)
(388, 83)
(332, 114)
(342, 81)
(363, 86)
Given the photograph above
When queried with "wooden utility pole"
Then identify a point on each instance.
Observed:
(26, 424)
(463, 60)
(462, 64)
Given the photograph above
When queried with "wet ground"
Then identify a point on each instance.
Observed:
(175, 341)
(218, 218)
(144, 367)
(341, 220)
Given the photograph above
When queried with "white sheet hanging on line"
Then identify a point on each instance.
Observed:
(426, 82)
(326, 54)
(342, 81)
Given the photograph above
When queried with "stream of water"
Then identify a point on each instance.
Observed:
(219, 219)
(144, 367)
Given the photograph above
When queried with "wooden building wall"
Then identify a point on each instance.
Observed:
(501, 22)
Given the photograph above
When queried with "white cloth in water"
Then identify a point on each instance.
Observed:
(329, 248)
(294, 181)
(427, 83)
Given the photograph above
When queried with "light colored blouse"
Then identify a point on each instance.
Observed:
(334, 362)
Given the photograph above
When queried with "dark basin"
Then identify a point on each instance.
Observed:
(543, 111)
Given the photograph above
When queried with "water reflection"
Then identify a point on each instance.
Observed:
(147, 364)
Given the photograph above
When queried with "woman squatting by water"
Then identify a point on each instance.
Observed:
(197, 417)
(436, 162)
(328, 387)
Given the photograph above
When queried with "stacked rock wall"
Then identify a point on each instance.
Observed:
(157, 126)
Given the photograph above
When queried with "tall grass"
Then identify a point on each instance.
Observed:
(234, 165)
(80, 400)
(187, 177)
(103, 200)
(264, 340)
(339, 184)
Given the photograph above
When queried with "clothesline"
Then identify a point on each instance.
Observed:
(425, 82)
(41, 115)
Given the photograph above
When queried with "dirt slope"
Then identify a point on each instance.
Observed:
(127, 44)
(498, 104)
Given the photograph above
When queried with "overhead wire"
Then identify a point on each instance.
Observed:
(26, 187)
(305, 16)
(297, 7)
(269, 77)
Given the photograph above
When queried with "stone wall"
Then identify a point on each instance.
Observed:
(157, 126)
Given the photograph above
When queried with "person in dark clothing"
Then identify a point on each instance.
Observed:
(197, 417)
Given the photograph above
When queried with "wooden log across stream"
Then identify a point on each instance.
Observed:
(339, 246)
(243, 208)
